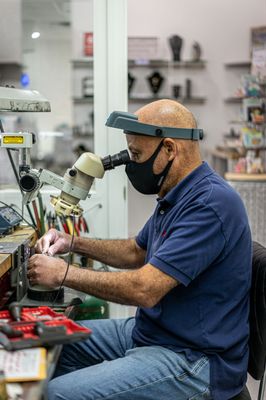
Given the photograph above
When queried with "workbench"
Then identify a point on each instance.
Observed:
(14, 252)
(24, 238)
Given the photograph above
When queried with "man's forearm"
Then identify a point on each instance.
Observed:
(120, 287)
(116, 253)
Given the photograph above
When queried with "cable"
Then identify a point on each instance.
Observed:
(68, 262)
(41, 212)
(38, 222)
(7, 205)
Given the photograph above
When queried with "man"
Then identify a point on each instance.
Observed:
(188, 271)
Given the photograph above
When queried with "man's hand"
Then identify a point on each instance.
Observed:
(47, 271)
(53, 242)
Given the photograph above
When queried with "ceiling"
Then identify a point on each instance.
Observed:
(46, 11)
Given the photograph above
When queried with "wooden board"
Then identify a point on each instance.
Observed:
(5, 263)
(20, 235)
(231, 176)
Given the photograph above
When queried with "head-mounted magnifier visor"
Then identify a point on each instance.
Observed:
(130, 124)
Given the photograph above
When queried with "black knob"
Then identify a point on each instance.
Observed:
(158, 132)
(29, 182)
(73, 172)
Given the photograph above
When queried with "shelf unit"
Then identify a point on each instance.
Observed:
(82, 106)
(244, 119)
(84, 67)
(236, 65)
(168, 66)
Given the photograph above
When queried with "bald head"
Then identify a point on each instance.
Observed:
(166, 113)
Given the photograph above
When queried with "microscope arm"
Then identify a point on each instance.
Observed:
(74, 185)
(76, 182)
(50, 178)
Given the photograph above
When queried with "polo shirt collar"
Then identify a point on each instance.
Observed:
(184, 186)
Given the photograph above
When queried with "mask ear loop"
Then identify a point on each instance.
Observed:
(156, 152)
(166, 169)
(164, 173)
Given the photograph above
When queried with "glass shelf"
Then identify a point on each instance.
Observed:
(238, 64)
(88, 61)
(82, 62)
(234, 100)
(82, 100)
(190, 100)
(166, 64)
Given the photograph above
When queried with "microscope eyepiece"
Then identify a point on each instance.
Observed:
(110, 162)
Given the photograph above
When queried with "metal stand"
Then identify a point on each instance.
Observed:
(262, 387)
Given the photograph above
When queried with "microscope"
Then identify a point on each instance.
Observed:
(74, 186)
(77, 180)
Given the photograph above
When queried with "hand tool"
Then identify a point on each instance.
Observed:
(9, 331)
(5, 342)
(44, 331)
(15, 311)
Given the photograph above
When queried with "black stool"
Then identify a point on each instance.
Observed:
(257, 319)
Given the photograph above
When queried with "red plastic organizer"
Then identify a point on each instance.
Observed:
(41, 326)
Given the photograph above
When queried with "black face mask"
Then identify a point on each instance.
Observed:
(142, 177)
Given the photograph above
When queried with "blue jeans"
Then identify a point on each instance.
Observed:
(109, 366)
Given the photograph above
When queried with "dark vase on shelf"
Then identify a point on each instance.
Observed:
(131, 81)
(196, 52)
(188, 89)
(176, 42)
(155, 81)
(176, 91)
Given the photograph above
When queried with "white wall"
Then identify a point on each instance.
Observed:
(47, 61)
(223, 30)
(82, 21)
(10, 31)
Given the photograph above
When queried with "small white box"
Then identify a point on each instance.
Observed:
(142, 48)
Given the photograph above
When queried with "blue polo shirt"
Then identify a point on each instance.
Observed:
(199, 234)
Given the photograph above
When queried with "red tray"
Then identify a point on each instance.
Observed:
(53, 328)
(42, 313)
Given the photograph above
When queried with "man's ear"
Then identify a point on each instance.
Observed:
(170, 148)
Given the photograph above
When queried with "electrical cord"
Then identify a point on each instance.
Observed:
(7, 205)
(68, 262)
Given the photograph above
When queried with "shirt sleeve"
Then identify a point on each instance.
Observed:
(192, 244)
(143, 235)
